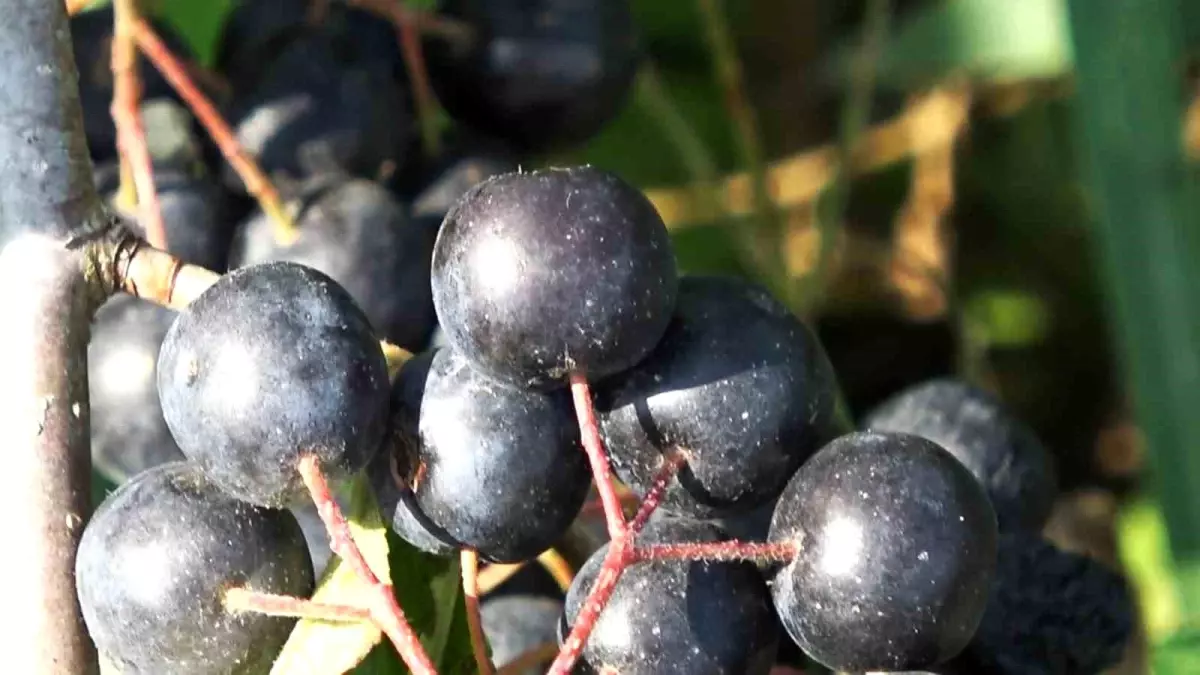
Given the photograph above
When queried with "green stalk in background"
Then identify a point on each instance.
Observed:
(1146, 201)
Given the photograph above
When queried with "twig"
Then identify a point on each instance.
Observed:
(491, 576)
(137, 168)
(246, 600)
(557, 567)
(801, 178)
(425, 23)
(427, 105)
(920, 231)
(470, 584)
(620, 554)
(593, 445)
(257, 183)
(385, 610)
(410, 25)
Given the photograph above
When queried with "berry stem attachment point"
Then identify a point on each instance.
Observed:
(155, 275)
(621, 553)
(137, 168)
(257, 183)
(384, 608)
(271, 604)
(593, 445)
(470, 584)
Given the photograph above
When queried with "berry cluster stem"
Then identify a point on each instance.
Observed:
(593, 445)
(256, 181)
(720, 550)
(271, 604)
(384, 608)
(137, 169)
(621, 551)
(470, 584)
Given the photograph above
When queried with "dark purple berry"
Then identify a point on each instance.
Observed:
(515, 624)
(1050, 612)
(129, 434)
(257, 32)
(454, 179)
(738, 385)
(154, 563)
(193, 213)
(896, 553)
(272, 363)
(315, 112)
(678, 616)
(540, 275)
(358, 234)
(1004, 454)
(497, 469)
(539, 74)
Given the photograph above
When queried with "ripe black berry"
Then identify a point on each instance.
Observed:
(678, 616)
(358, 234)
(498, 469)
(129, 434)
(153, 565)
(257, 32)
(193, 213)
(315, 111)
(538, 74)
(515, 624)
(540, 275)
(273, 362)
(1050, 612)
(897, 548)
(738, 385)
(999, 449)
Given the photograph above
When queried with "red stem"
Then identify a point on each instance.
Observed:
(593, 445)
(470, 583)
(127, 116)
(621, 553)
(385, 610)
(414, 63)
(720, 550)
(257, 183)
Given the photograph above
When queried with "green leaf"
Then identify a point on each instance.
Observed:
(1179, 654)
(429, 588)
(1145, 198)
(984, 39)
(328, 648)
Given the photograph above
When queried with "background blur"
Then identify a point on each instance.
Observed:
(1018, 205)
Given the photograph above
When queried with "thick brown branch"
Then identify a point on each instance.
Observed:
(47, 204)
